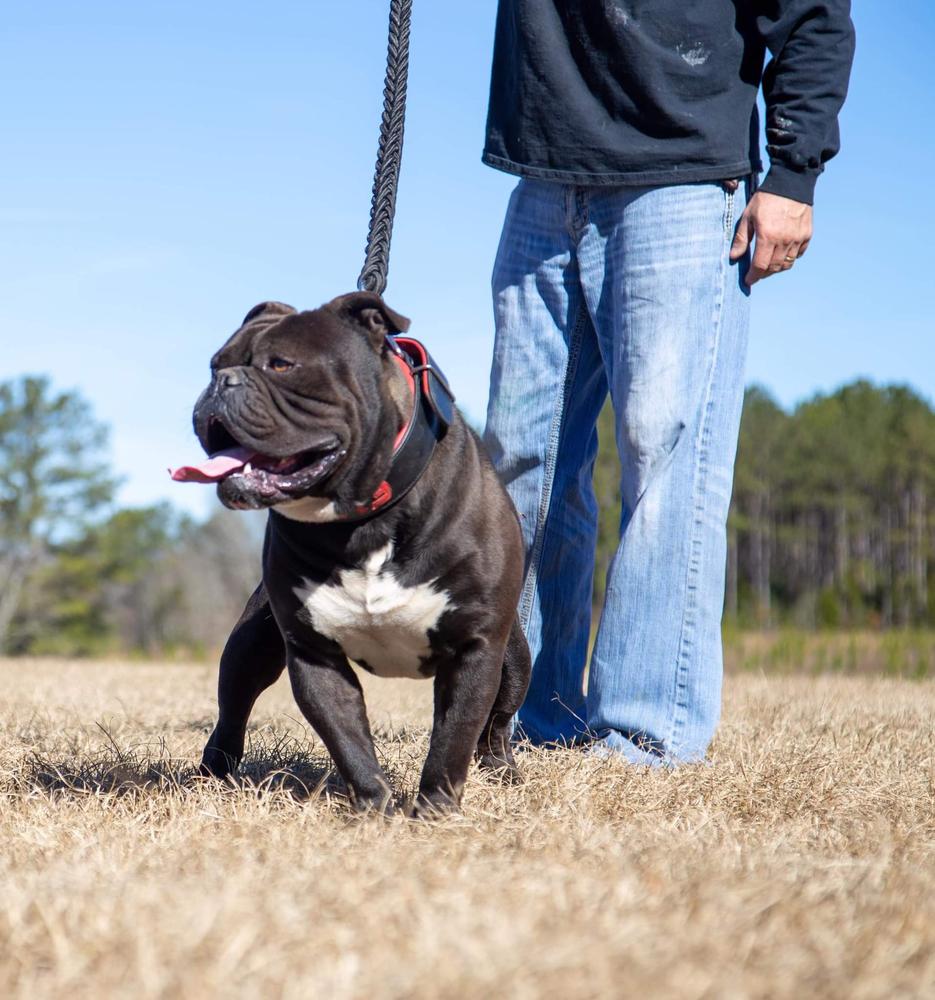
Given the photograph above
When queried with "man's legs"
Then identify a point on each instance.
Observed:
(671, 315)
(547, 386)
(665, 315)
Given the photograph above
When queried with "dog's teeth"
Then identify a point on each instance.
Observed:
(248, 467)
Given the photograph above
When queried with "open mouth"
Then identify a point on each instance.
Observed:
(265, 475)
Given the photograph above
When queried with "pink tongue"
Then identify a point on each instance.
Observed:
(213, 469)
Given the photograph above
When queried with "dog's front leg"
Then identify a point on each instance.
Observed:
(330, 696)
(465, 689)
(253, 659)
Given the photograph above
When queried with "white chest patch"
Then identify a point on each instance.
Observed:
(374, 618)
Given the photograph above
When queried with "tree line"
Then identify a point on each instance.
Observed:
(81, 576)
(831, 521)
(830, 526)
(832, 515)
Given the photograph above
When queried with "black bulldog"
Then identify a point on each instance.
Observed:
(390, 542)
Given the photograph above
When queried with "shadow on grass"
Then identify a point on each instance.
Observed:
(283, 765)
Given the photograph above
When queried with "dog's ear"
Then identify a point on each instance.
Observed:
(272, 310)
(367, 309)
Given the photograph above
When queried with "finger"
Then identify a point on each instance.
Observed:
(803, 246)
(742, 237)
(784, 257)
(762, 259)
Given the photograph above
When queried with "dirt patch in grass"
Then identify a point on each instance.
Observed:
(800, 863)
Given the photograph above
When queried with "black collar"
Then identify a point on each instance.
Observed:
(431, 416)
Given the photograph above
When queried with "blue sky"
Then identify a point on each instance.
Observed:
(166, 166)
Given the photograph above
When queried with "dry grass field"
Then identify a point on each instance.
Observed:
(801, 863)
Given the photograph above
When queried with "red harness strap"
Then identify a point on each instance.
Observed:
(411, 382)
(384, 492)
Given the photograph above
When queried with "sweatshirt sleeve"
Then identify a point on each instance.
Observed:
(804, 85)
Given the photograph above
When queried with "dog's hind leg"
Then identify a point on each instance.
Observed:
(493, 749)
(253, 658)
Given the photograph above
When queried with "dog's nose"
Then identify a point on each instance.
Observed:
(228, 377)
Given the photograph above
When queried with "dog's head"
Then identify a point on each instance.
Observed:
(300, 402)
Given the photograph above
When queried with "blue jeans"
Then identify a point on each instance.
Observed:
(628, 290)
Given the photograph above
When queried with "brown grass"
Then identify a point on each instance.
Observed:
(801, 863)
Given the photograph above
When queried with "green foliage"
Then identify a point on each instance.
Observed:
(908, 654)
(53, 473)
(54, 479)
(95, 591)
(145, 580)
(842, 510)
(831, 526)
(78, 577)
(832, 517)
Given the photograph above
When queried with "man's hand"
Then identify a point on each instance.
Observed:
(782, 228)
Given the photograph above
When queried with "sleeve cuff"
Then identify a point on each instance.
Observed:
(795, 184)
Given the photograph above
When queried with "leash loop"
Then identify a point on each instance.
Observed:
(389, 152)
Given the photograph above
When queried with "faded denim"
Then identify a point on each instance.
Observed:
(627, 289)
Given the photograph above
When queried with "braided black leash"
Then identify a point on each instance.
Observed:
(389, 153)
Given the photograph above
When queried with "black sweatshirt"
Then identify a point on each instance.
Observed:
(664, 91)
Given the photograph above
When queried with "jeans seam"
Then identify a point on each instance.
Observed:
(548, 476)
(680, 703)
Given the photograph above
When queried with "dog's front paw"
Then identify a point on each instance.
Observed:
(434, 804)
(377, 802)
(217, 763)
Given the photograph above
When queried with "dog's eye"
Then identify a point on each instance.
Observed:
(279, 365)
